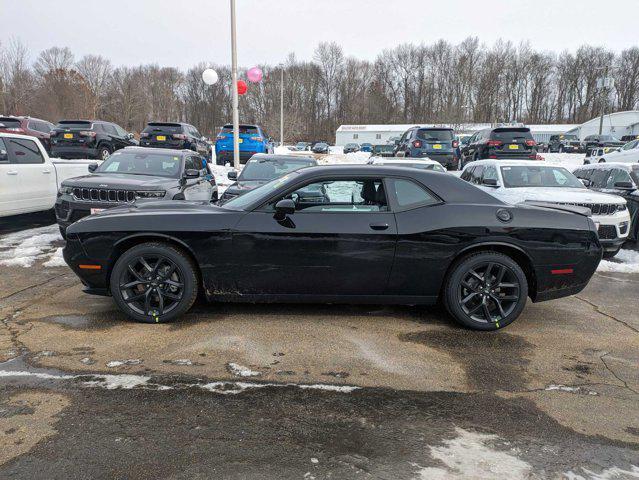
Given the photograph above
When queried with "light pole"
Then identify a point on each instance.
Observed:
(603, 83)
(236, 114)
(282, 106)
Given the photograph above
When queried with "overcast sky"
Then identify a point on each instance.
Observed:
(183, 33)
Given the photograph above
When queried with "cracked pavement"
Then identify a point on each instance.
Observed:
(555, 394)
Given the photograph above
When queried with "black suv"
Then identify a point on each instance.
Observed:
(436, 143)
(177, 136)
(594, 141)
(564, 143)
(88, 139)
(501, 142)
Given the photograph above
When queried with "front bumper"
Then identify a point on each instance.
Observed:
(69, 210)
(613, 230)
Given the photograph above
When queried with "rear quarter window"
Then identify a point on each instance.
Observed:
(409, 194)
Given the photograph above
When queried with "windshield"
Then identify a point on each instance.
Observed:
(384, 148)
(10, 122)
(435, 135)
(241, 202)
(74, 124)
(608, 138)
(161, 165)
(634, 173)
(568, 137)
(268, 168)
(539, 176)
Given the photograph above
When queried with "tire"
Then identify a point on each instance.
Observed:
(63, 233)
(104, 152)
(611, 253)
(464, 292)
(157, 299)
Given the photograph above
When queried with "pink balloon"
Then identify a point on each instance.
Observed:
(254, 75)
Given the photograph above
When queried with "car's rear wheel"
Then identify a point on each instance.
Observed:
(104, 152)
(154, 282)
(485, 291)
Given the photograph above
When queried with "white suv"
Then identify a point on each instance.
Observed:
(516, 181)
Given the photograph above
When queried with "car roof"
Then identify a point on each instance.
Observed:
(157, 151)
(275, 156)
(18, 136)
(513, 163)
(391, 160)
(609, 166)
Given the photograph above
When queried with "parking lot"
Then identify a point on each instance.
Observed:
(309, 391)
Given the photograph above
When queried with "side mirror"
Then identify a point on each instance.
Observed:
(129, 136)
(232, 175)
(624, 185)
(489, 182)
(283, 208)
(4, 156)
(586, 182)
(93, 167)
(192, 173)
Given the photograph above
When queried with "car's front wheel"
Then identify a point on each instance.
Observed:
(154, 282)
(485, 291)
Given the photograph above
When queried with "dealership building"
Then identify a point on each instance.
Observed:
(617, 124)
(381, 134)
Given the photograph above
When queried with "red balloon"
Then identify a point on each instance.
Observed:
(242, 88)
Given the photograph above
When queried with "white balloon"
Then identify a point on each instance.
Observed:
(210, 76)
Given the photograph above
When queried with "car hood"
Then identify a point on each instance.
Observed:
(241, 187)
(119, 180)
(158, 217)
(553, 194)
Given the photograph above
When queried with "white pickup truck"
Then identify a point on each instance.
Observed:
(29, 179)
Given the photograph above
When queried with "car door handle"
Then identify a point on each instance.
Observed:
(12, 172)
(46, 171)
(379, 226)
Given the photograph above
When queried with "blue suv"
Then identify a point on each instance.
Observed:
(436, 143)
(252, 140)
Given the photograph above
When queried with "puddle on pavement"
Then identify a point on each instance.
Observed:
(491, 361)
(94, 321)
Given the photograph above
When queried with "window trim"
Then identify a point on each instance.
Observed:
(394, 205)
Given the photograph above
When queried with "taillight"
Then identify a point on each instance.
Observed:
(87, 133)
(179, 136)
(530, 143)
(417, 144)
(257, 139)
(455, 144)
(494, 143)
(144, 134)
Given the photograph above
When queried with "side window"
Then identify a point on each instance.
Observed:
(490, 172)
(467, 174)
(630, 145)
(4, 155)
(409, 194)
(617, 175)
(475, 177)
(191, 164)
(341, 196)
(121, 132)
(24, 151)
(110, 129)
(599, 178)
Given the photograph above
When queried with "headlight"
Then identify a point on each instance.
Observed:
(622, 207)
(65, 190)
(150, 194)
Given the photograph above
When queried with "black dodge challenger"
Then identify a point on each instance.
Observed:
(365, 235)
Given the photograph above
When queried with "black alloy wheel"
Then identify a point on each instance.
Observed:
(154, 283)
(486, 291)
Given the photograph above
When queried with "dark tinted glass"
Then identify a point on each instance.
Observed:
(529, 176)
(599, 177)
(9, 122)
(163, 128)
(3, 151)
(409, 194)
(247, 129)
(511, 134)
(137, 163)
(437, 135)
(74, 124)
(24, 151)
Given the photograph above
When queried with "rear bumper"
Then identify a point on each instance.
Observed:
(223, 156)
(513, 154)
(448, 160)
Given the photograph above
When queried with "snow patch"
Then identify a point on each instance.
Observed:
(281, 150)
(112, 382)
(569, 389)
(469, 456)
(242, 371)
(120, 363)
(27, 247)
(626, 261)
(613, 473)
(56, 259)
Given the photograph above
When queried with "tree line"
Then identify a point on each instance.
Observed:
(425, 83)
